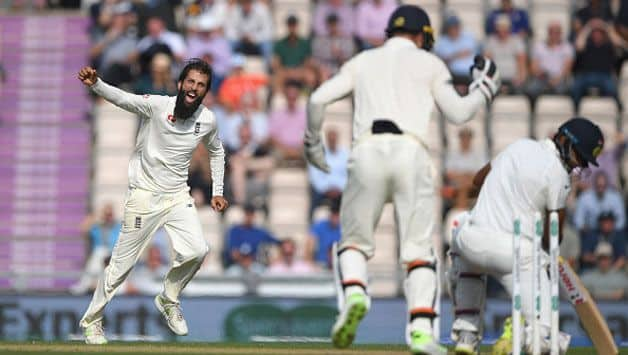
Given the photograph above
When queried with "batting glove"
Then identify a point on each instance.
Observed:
(485, 77)
(315, 151)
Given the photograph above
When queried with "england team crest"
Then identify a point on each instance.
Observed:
(172, 119)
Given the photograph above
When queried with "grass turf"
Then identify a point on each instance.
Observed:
(134, 348)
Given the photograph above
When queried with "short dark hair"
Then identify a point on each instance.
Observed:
(293, 83)
(200, 66)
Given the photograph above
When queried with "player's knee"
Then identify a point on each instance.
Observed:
(199, 253)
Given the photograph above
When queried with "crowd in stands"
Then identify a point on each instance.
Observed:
(261, 112)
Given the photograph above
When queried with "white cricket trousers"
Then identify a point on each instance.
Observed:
(476, 252)
(384, 168)
(144, 213)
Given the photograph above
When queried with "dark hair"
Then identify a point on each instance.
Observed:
(293, 83)
(200, 66)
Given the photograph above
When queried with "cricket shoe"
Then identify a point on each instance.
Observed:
(95, 334)
(467, 343)
(355, 308)
(503, 345)
(424, 344)
(172, 313)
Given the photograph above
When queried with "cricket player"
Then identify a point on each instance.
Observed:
(527, 177)
(158, 194)
(395, 89)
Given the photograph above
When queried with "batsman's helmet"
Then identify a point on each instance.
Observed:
(585, 137)
(411, 19)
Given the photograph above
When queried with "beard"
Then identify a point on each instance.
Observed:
(183, 110)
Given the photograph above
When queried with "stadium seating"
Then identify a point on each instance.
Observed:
(45, 151)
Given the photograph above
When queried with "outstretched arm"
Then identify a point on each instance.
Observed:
(138, 104)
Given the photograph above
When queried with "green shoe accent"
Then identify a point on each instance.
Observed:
(424, 344)
(348, 320)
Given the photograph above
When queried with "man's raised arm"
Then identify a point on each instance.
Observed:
(137, 104)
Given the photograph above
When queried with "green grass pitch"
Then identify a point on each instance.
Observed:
(135, 348)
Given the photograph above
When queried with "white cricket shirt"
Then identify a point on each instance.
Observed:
(165, 144)
(527, 177)
(397, 82)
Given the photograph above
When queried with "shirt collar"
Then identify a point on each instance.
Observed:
(550, 145)
(399, 42)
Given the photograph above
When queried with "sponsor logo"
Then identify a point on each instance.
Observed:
(572, 290)
(197, 128)
(138, 222)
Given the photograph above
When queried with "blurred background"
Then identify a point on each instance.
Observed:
(64, 153)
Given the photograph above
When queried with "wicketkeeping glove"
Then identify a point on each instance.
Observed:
(315, 151)
(485, 77)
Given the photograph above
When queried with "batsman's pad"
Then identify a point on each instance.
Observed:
(486, 78)
(335, 263)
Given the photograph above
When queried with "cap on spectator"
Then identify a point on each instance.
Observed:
(238, 60)
(502, 20)
(245, 249)
(603, 249)
(207, 23)
(292, 20)
(331, 19)
(451, 21)
(122, 8)
(249, 208)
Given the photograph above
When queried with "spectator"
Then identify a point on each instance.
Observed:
(238, 83)
(595, 62)
(518, 18)
(246, 233)
(287, 126)
(462, 165)
(199, 176)
(604, 233)
(217, 10)
(245, 263)
(250, 167)
(330, 51)
(146, 278)
(327, 187)
(324, 8)
(251, 114)
(160, 40)
(161, 9)
(457, 49)
(288, 264)
(604, 282)
(323, 234)
(293, 58)
(102, 236)
(160, 80)
(371, 20)
(112, 55)
(206, 39)
(250, 29)
(508, 52)
(600, 198)
(551, 65)
(594, 9)
(609, 161)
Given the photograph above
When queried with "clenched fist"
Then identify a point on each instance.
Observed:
(88, 76)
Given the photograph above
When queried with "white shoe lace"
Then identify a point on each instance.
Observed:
(173, 312)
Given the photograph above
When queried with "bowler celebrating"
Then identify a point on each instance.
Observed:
(158, 194)
(395, 87)
(527, 177)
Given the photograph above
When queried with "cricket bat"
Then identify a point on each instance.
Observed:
(592, 321)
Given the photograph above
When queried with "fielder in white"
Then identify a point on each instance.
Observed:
(527, 177)
(395, 89)
(158, 195)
